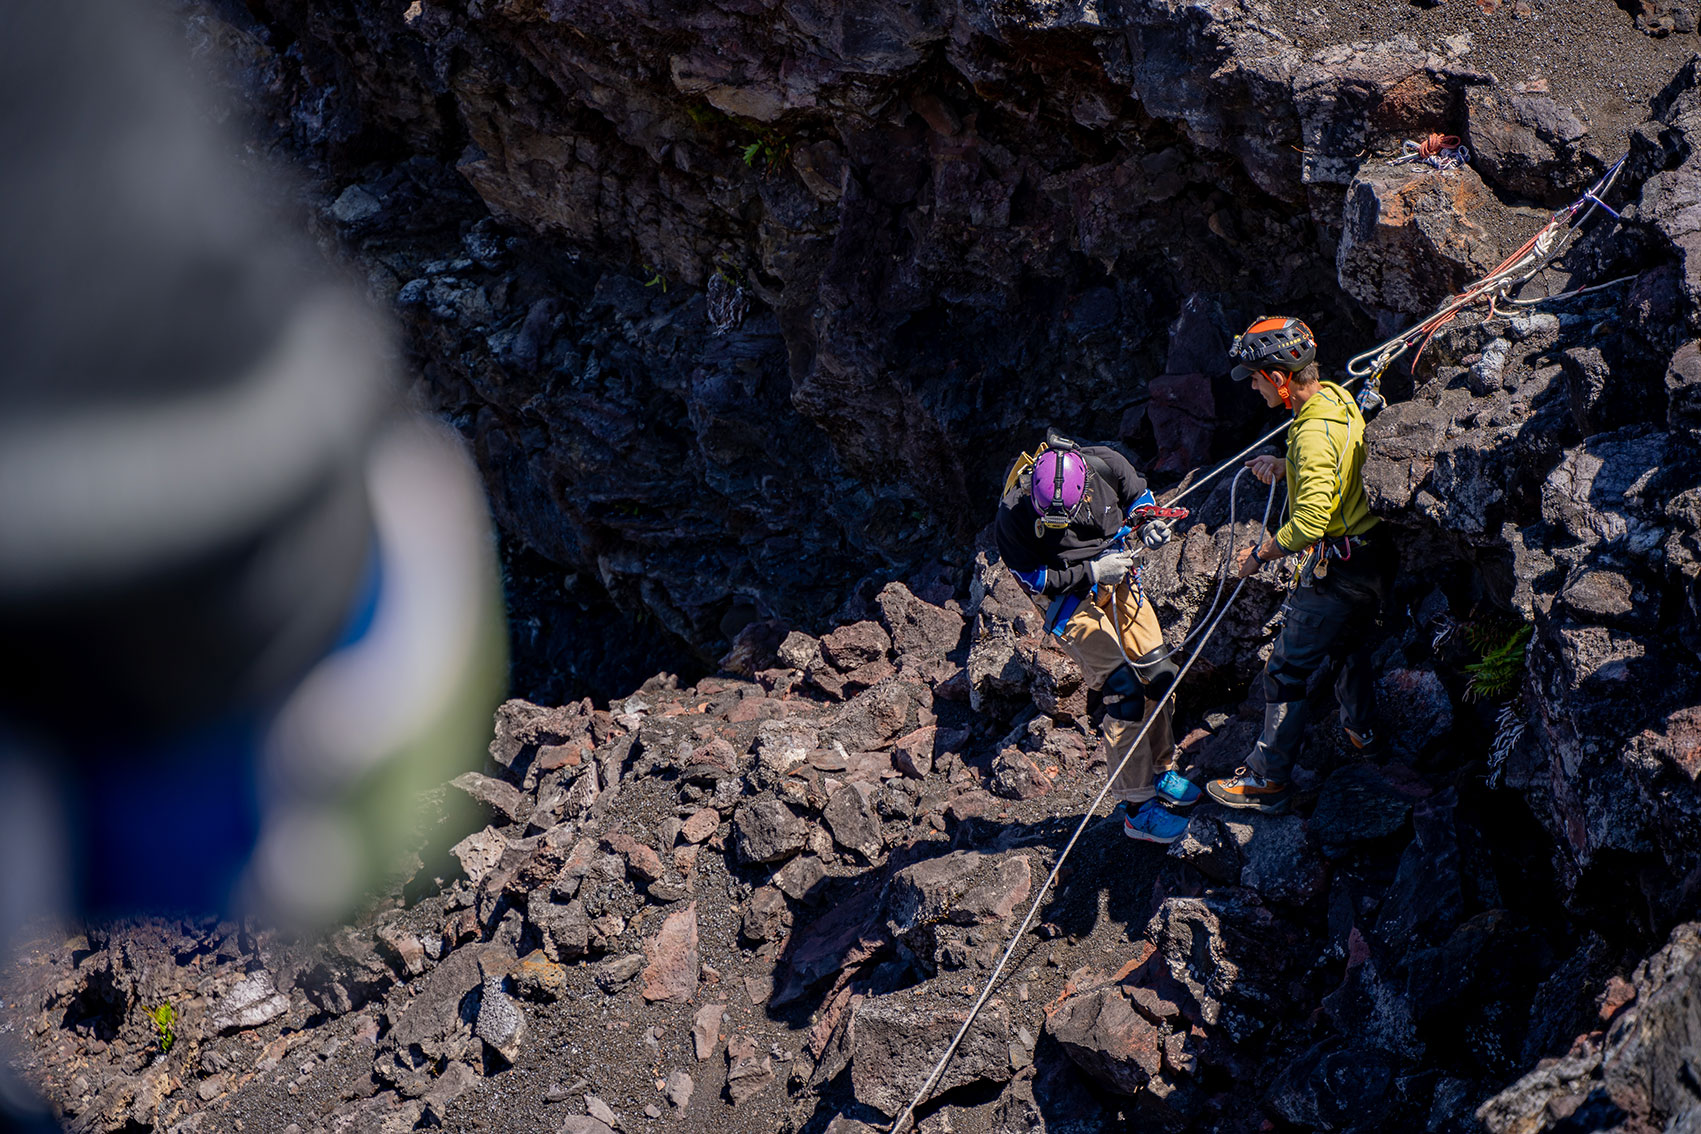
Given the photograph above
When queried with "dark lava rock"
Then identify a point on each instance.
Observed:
(895, 1041)
(1356, 804)
(768, 831)
(1332, 1087)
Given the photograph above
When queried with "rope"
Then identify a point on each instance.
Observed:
(1516, 270)
(992, 981)
(1223, 572)
(1439, 151)
(1512, 273)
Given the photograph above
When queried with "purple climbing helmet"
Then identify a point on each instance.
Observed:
(1059, 487)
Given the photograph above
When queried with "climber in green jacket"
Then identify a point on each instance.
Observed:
(1348, 562)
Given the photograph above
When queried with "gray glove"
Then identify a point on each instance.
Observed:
(1111, 568)
(1154, 534)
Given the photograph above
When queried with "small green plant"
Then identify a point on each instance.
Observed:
(1500, 666)
(656, 278)
(165, 1026)
(767, 151)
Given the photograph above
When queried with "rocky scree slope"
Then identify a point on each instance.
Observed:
(746, 305)
(764, 900)
(900, 221)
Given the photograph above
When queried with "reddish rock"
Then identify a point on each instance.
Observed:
(858, 644)
(1414, 235)
(912, 754)
(972, 805)
(1103, 1034)
(553, 756)
(701, 825)
(404, 949)
(522, 727)
(1014, 776)
(1615, 996)
(749, 1069)
(706, 1029)
(674, 964)
(641, 860)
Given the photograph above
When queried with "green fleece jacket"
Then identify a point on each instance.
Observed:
(1325, 471)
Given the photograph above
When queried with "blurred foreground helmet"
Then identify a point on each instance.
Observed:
(248, 604)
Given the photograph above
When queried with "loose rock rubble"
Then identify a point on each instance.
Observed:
(762, 900)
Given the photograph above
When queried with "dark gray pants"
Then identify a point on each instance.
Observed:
(1334, 619)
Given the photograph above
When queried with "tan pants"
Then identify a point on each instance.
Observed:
(1090, 636)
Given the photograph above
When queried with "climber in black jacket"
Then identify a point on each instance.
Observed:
(1058, 528)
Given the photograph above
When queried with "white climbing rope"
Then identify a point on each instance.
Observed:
(1222, 572)
(992, 981)
(1513, 272)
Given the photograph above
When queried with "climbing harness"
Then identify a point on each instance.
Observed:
(1368, 367)
(1438, 151)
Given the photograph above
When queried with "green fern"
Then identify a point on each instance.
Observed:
(1501, 664)
(165, 1026)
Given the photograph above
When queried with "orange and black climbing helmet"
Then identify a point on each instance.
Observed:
(1274, 342)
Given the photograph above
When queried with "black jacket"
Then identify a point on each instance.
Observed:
(1054, 561)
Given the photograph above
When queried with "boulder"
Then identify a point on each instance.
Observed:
(876, 717)
(766, 915)
(895, 1041)
(706, 1030)
(1229, 954)
(749, 1068)
(1276, 858)
(912, 754)
(250, 1002)
(1683, 387)
(1529, 143)
(1332, 1086)
(1207, 847)
(851, 647)
(499, 797)
(1115, 1045)
(918, 629)
(1415, 707)
(962, 887)
(521, 727)
(766, 830)
(850, 816)
(1356, 804)
(1413, 236)
(501, 1024)
(674, 965)
(564, 927)
(1015, 776)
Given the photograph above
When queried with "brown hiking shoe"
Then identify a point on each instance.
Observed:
(1248, 789)
(1366, 742)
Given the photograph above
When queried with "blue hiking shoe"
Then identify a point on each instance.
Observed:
(1154, 823)
(1176, 790)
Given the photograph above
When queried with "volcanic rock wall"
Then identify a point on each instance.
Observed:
(744, 308)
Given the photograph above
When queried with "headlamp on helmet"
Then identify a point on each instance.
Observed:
(1280, 343)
